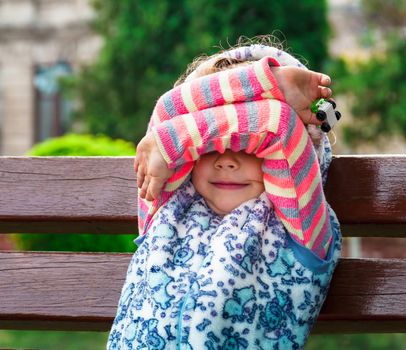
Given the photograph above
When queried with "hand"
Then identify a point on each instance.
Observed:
(151, 168)
(300, 88)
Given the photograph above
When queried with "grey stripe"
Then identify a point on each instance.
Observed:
(279, 173)
(169, 106)
(211, 122)
(290, 212)
(291, 127)
(252, 116)
(244, 141)
(309, 219)
(174, 138)
(246, 85)
(205, 89)
(304, 171)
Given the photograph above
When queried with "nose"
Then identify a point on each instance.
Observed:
(226, 161)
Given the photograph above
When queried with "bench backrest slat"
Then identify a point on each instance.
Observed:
(81, 290)
(98, 194)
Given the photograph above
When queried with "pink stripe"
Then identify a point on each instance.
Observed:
(315, 221)
(252, 142)
(255, 84)
(202, 125)
(304, 186)
(280, 182)
(216, 90)
(221, 120)
(180, 173)
(268, 139)
(161, 111)
(276, 164)
(242, 113)
(218, 145)
(282, 202)
(320, 238)
(308, 208)
(142, 205)
(235, 142)
(141, 224)
(264, 113)
(275, 91)
(306, 156)
(276, 147)
(197, 96)
(285, 116)
(296, 223)
(235, 85)
(177, 100)
(294, 140)
(166, 140)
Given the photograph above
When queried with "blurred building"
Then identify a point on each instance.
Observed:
(40, 40)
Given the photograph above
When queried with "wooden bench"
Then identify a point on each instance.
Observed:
(80, 291)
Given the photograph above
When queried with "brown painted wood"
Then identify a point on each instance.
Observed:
(98, 194)
(368, 189)
(80, 292)
(67, 194)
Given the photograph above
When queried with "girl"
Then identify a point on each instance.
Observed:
(238, 244)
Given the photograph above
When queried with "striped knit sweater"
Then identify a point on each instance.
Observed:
(243, 109)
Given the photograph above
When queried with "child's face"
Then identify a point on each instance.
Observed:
(227, 180)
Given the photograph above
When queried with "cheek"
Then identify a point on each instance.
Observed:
(256, 173)
(199, 175)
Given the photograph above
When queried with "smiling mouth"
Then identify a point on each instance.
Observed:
(228, 185)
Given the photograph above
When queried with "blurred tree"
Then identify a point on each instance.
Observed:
(79, 145)
(377, 87)
(386, 14)
(149, 44)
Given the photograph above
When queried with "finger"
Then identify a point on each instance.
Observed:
(136, 164)
(314, 119)
(143, 190)
(149, 196)
(309, 118)
(155, 187)
(325, 80)
(140, 176)
(325, 92)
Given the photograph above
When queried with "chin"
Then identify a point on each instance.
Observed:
(226, 208)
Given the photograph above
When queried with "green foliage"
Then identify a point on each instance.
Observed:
(377, 88)
(377, 92)
(83, 145)
(148, 44)
(51, 340)
(79, 145)
(356, 342)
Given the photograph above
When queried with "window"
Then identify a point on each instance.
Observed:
(52, 111)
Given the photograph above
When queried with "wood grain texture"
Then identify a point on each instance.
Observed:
(98, 194)
(67, 194)
(80, 291)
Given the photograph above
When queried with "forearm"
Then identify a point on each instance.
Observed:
(239, 126)
(246, 83)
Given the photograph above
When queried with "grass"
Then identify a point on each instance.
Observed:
(55, 340)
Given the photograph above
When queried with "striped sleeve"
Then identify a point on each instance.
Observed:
(246, 83)
(245, 118)
(241, 84)
(292, 176)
